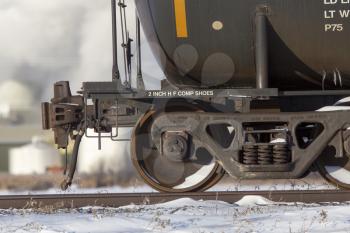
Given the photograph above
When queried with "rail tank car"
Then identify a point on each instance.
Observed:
(206, 43)
(255, 89)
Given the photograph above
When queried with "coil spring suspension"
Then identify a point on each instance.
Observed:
(281, 154)
(250, 155)
(265, 156)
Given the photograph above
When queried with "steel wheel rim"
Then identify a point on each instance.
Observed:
(211, 178)
(336, 171)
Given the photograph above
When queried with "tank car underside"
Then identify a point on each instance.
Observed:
(176, 139)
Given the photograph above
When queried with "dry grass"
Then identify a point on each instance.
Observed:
(47, 181)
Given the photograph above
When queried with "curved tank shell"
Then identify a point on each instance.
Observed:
(210, 43)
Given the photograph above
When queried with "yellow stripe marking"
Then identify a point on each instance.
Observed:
(180, 18)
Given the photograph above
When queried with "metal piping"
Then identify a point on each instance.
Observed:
(140, 83)
(261, 51)
(73, 164)
(116, 74)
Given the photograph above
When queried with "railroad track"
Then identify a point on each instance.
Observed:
(116, 200)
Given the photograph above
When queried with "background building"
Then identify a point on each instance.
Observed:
(18, 119)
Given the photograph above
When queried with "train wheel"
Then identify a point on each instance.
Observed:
(333, 169)
(167, 174)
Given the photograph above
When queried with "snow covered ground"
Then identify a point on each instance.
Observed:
(252, 214)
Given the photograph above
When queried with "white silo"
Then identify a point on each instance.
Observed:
(15, 95)
(34, 158)
(19, 122)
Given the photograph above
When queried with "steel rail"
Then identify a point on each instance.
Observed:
(60, 201)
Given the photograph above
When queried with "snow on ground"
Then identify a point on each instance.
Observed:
(251, 214)
(184, 215)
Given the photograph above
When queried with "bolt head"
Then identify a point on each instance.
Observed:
(175, 148)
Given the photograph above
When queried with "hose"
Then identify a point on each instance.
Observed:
(73, 164)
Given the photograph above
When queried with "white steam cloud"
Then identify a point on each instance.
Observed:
(46, 41)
